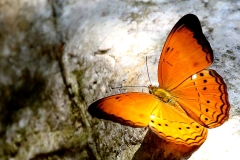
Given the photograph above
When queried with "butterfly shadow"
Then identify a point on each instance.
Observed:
(153, 147)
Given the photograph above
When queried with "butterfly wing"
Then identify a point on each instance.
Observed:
(172, 125)
(204, 98)
(131, 109)
(185, 52)
(141, 109)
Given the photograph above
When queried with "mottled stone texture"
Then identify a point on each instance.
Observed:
(57, 57)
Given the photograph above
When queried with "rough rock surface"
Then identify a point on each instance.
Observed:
(57, 57)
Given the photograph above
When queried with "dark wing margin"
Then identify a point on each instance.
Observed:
(185, 52)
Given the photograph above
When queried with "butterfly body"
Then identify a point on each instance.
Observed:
(162, 94)
(189, 98)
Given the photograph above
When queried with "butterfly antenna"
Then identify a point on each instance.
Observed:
(148, 72)
(128, 87)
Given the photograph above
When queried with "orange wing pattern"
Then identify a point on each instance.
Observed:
(189, 98)
(132, 109)
(140, 109)
(185, 52)
(172, 125)
(204, 98)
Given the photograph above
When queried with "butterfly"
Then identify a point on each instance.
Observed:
(189, 98)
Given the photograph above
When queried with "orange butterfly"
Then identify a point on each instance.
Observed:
(189, 98)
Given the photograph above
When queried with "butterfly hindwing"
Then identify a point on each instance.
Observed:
(172, 125)
(204, 98)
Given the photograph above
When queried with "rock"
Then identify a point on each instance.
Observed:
(57, 57)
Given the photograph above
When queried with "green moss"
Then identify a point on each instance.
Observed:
(146, 4)
(78, 74)
(229, 52)
(229, 55)
(68, 145)
(236, 111)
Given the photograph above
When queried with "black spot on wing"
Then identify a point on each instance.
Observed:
(118, 97)
(167, 49)
(195, 64)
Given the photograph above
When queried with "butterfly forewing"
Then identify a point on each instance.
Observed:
(132, 109)
(185, 52)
